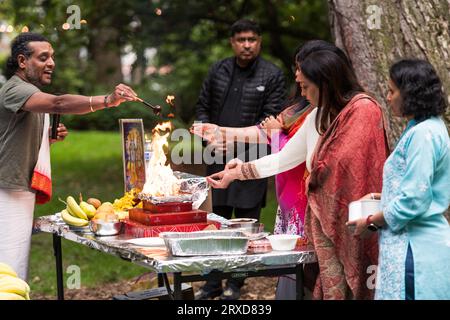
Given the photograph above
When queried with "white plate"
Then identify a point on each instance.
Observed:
(147, 242)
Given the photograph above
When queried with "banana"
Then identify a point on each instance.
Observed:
(71, 220)
(11, 284)
(74, 208)
(6, 269)
(89, 209)
(10, 296)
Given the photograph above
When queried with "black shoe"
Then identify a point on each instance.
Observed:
(207, 293)
(230, 293)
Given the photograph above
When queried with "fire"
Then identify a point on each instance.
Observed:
(160, 180)
(170, 99)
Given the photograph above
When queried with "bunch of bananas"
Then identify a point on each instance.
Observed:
(77, 215)
(11, 287)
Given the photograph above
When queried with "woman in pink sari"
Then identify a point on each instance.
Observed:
(291, 194)
(290, 185)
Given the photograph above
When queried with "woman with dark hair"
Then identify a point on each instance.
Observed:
(414, 234)
(290, 185)
(344, 165)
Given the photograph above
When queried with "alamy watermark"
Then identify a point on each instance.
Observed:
(74, 20)
(219, 147)
(371, 281)
(74, 280)
(374, 19)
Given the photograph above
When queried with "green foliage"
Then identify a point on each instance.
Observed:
(186, 36)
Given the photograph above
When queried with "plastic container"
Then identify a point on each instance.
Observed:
(283, 242)
(363, 208)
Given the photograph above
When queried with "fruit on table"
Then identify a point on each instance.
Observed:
(7, 270)
(73, 221)
(89, 209)
(128, 201)
(74, 209)
(106, 207)
(105, 212)
(10, 296)
(95, 202)
(11, 287)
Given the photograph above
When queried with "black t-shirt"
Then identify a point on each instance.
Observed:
(229, 117)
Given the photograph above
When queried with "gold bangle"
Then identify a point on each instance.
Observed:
(90, 104)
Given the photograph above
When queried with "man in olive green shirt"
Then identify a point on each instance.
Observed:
(22, 111)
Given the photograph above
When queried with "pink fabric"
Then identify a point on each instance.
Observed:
(291, 195)
(290, 185)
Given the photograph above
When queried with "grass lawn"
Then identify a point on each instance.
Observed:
(90, 162)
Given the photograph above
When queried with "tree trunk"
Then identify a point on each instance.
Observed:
(376, 34)
(105, 52)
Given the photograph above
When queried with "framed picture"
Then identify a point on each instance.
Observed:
(132, 131)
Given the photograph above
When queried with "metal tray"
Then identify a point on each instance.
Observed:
(205, 243)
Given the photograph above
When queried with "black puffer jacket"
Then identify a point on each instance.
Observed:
(263, 93)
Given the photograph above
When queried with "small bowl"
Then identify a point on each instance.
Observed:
(249, 228)
(103, 228)
(283, 242)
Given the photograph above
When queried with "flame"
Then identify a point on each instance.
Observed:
(170, 99)
(160, 180)
(162, 127)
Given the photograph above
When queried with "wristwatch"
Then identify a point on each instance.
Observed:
(370, 225)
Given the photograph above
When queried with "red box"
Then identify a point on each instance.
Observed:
(157, 219)
(167, 206)
(138, 230)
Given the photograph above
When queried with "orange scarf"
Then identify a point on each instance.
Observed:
(41, 180)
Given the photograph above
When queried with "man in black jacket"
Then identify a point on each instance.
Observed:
(240, 91)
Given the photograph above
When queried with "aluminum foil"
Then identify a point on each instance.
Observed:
(157, 259)
(205, 243)
(193, 189)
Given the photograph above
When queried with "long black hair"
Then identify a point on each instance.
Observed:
(309, 47)
(316, 45)
(336, 81)
(420, 88)
(20, 46)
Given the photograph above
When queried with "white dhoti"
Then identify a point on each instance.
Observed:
(16, 223)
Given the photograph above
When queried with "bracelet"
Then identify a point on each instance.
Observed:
(90, 104)
(105, 101)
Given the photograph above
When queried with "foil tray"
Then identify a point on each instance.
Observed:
(205, 243)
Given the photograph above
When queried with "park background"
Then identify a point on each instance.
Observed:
(165, 47)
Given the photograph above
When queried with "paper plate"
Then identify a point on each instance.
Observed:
(147, 242)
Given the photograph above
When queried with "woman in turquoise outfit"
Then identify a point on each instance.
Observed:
(414, 242)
